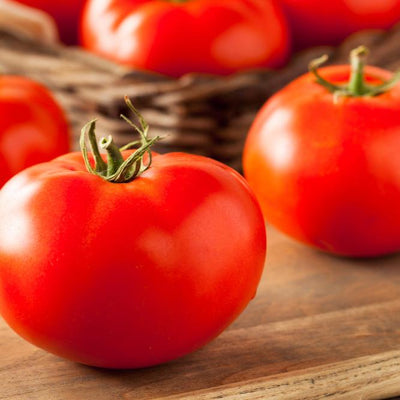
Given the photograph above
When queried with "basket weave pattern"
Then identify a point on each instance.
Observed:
(199, 114)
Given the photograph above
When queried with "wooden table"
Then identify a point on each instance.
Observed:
(319, 327)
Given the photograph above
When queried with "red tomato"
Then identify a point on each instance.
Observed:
(66, 13)
(33, 127)
(177, 37)
(131, 274)
(326, 168)
(316, 22)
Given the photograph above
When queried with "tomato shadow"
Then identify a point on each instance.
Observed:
(389, 260)
(183, 375)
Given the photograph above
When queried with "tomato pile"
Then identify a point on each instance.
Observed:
(124, 258)
(176, 37)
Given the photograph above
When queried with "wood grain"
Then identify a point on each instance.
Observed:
(344, 380)
(320, 326)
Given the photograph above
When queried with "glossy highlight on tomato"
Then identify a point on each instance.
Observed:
(129, 274)
(178, 37)
(325, 166)
(33, 127)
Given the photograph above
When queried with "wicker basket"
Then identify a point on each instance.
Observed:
(200, 114)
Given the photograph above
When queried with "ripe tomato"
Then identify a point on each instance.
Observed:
(33, 127)
(176, 37)
(325, 167)
(129, 274)
(314, 22)
(66, 13)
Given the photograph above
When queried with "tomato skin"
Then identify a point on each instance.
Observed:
(66, 13)
(33, 127)
(328, 23)
(127, 275)
(195, 36)
(326, 173)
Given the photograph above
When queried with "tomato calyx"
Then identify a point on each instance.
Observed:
(356, 87)
(117, 169)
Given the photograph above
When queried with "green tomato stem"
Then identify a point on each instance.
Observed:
(356, 87)
(114, 156)
(116, 169)
(100, 165)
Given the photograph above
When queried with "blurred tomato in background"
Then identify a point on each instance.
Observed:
(177, 37)
(33, 127)
(315, 22)
(66, 13)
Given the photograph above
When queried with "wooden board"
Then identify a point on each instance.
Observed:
(319, 327)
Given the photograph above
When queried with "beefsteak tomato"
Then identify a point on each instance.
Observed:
(315, 22)
(176, 37)
(323, 159)
(123, 265)
(66, 13)
(33, 127)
